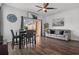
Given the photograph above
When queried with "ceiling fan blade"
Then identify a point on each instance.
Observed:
(46, 4)
(39, 6)
(51, 8)
(39, 9)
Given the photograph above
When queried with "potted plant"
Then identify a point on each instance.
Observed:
(46, 26)
(26, 27)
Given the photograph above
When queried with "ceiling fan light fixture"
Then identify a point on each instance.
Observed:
(44, 9)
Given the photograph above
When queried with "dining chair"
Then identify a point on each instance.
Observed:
(30, 37)
(22, 33)
(14, 37)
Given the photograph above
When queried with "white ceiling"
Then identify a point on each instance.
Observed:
(31, 7)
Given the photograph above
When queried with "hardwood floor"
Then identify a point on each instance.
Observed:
(47, 46)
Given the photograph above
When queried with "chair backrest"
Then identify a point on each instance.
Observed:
(29, 33)
(12, 32)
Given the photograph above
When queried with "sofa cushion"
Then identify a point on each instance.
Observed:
(61, 32)
(52, 31)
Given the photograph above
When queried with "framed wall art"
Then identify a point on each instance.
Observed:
(11, 18)
(58, 22)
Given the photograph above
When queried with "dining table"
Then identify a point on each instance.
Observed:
(21, 33)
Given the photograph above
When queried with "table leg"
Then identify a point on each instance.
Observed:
(16, 38)
(20, 43)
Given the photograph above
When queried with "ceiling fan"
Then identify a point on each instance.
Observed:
(45, 7)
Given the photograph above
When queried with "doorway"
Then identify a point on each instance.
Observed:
(38, 32)
(38, 27)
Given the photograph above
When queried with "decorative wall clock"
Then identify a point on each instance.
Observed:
(12, 18)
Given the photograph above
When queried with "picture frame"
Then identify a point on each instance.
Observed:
(58, 21)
